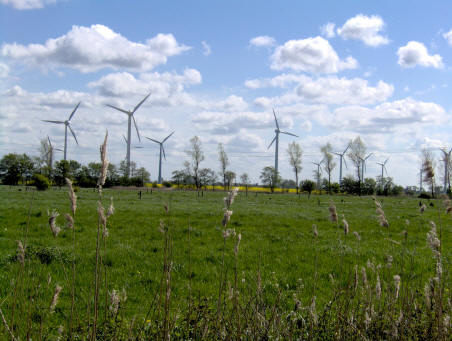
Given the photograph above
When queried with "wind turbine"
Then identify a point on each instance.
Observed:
(363, 165)
(162, 150)
(318, 174)
(66, 125)
(50, 152)
(276, 138)
(446, 160)
(136, 147)
(129, 128)
(383, 167)
(341, 156)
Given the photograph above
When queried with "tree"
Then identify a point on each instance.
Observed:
(123, 168)
(349, 185)
(224, 162)
(328, 163)
(45, 159)
(245, 180)
(143, 175)
(207, 177)
(179, 177)
(15, 168)
(270, 177)
(356, 154)
(230, 177)
(428, 169)
(308, 186)
(66, 169)
(197, 156)
(295, 153)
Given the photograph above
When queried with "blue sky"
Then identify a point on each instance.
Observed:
(333, 70)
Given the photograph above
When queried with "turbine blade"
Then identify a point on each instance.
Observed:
(163, 150)
(139, 104)
(287, 133)
(166, 138)
(60, 150)
(125, 138)
(73, 134)
(368, 156)
(153, 140)
(50, 143)
(119, 109)
(271, 142)
(276, 121)
(348, 146)
(136, 127)
(73, 111)
(345, 162)
(57, 122)
(384, 163)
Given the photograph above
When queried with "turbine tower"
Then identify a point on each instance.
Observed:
(129, 128)
(162, 150)
(341, 156)
(318, 174)
(66, 125)
(383, 167)
(50, 152)
(276, 138)
(447, 155)
(363, 165)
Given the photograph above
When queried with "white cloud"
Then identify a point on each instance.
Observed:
(280, 81)
(448, 37)
(166, 88)
(415, 53)
(327, 30)
(96, 47)
(364, 28)
(27, 4)
(387, 117)
(314, 55)
(4, 70)
(335, 90)
(262, 41)
(207, 50)
(306, 126)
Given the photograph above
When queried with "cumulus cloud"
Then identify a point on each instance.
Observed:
(448, 37)
(341, 91)
(281, 81)
(27, 4)
(415, 53)
(4, 70)
(364, 28)
(327, 30)
(92, 48)
(166, 88)
(207, 50)
(314, 55)
(386, 117)
(262, 41)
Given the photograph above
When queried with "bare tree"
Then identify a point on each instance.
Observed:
(328, 163)
(197, 156)
(428, 169)
(356, 154)
(45, 159)
(447, 167)
(245, 180)
(295, 153)
(224, 162)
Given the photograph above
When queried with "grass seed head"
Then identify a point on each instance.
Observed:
(226, 217)
(69, 221)
(56, 294)
(378, 287)
(111, 208)
(72, 196)
(104, 161)
(422, 208)
(20, 252)
(397, 285)
(52, 223)
(333, 213)
(314, 230)
(345, 224)
(356, 234)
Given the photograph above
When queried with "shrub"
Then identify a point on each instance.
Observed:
(167, 184)
(424, 195)
(41, 182)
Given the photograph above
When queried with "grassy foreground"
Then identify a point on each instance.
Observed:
(169, 272)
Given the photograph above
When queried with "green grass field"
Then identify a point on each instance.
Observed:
(277, 243)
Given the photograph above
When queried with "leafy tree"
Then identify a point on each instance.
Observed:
(224, 162)
(349, 185)
(245, 180)
(15, 168)
(66, 169)
(123, 168)
(308, 186)
(428, 169)
(41, 182)
(356, 154)
(369, 186)
(328, 163)
(179, 177)
(230, 177)
(143, 175)
(207, 177)
(197, 156)
(270, 177)
(295, 153)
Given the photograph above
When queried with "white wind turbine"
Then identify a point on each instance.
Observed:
(276, 138)
(50, 152)
(363, 165)
(66, 125)
(341, 156)
(162, 150)
(383, 168)
(129, 128)
(318, 173)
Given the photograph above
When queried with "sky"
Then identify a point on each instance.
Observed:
(331, 70)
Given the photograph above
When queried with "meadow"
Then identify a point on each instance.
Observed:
(169, 268)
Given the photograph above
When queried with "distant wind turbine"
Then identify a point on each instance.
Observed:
(363, 165)
(446, 159)
(136, 147)
(162, 150)
(129, 128)
(383, 167)
(66, 125)
(276, 138)
(319, 172)
(50, 152)
(341, 156)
